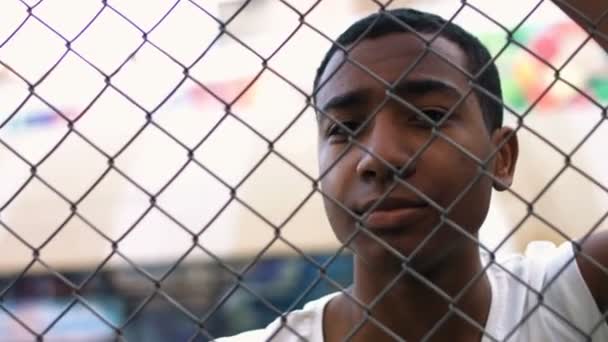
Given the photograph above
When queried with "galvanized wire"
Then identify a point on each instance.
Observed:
(199, 322)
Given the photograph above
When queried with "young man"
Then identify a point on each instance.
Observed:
(411, 144)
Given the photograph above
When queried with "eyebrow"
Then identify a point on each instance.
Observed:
(415, 87)
(349, 99)
(426, 86)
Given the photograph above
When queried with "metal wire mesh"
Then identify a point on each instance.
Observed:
(236, 275)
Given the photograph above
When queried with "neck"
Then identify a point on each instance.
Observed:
(416, 304)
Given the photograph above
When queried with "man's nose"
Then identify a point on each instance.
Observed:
(385, 151)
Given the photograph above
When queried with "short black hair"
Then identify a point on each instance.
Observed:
(404, 20)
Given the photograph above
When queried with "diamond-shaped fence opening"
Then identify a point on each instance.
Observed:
(196, 29)
(87, 84)
(209, 69)
(143, 165)
(108, 41)
(98, 127)
(230, 136)
(192, 182)
(199, 110)
(63, 178)
(121, 197)
(187, 170)
(35, 112)
(159, 85)
(33, 50)
(51, 13)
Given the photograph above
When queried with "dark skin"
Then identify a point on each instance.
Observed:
(449, 260)
(359, 174)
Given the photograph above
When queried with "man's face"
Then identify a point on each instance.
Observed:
(441, 174)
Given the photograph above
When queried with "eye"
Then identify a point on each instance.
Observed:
(343, 129)
(433, 116)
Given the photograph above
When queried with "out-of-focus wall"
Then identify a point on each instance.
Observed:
(227, 148)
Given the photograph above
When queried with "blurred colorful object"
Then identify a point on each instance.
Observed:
(193, 97)
(526, 72)
(76, 324)
(529, 68)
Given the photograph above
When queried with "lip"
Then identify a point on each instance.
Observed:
(392, 220)
(392, 215)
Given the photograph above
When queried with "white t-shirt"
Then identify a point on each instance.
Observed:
(567, 312)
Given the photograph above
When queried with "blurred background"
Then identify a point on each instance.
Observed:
(109, 68)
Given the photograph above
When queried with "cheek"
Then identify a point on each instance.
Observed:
(337, 169)
(467, 190)
(470, 211)
(335, 184)
(446, 170)
(335, 178)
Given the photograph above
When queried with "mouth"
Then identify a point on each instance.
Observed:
(392, 215)
(392, 221)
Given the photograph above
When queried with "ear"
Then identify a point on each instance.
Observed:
(505, 140)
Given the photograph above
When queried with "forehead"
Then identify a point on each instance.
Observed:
(387, 58)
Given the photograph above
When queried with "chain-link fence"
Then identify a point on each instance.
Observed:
(163, 156)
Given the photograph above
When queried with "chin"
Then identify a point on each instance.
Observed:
(424, 260)
(375, 254)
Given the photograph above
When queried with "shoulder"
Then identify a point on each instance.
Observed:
(545, 289)
(543, 269)
(539, 266)
(305, 324)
